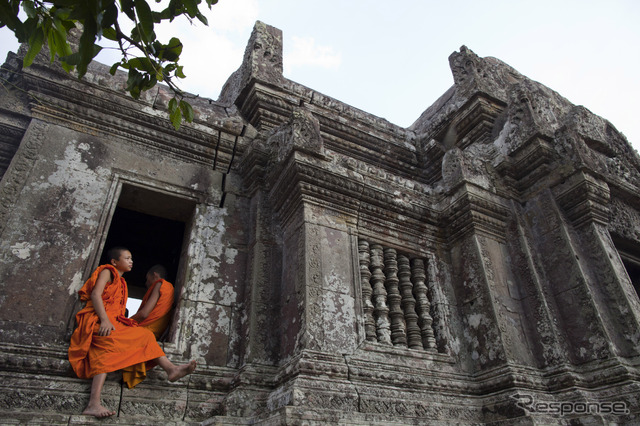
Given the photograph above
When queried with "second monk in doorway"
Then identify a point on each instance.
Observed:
(155, 313)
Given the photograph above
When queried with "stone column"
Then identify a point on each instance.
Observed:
(485, 282)
(318, 293)
(584, 200)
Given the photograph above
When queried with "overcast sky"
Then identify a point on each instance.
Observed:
(391, 58)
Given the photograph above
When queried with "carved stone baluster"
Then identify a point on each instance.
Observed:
(380, 310)
(367, 291)
(408, 303)
(398, 327)
(418, 276)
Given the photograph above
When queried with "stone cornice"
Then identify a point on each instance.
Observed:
(584, 199)
(344, 129)
(473, 209)
(475, 120)
(92, 109)
(367, 201)
(527, 166)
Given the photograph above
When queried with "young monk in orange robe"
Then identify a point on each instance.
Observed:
(155, 314)
(105, 340)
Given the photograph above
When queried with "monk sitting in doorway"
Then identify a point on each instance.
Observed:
(105, 340)
(155, 314)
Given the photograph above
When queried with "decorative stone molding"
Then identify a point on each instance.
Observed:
(262, 61)
(584, 199)
(301, 133)
(471, 210)
(107, 114)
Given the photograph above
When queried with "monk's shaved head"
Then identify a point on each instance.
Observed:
(114, 253)
(158, 269)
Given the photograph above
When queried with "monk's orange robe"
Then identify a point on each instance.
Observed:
(91, 354)
(157, 322)
(159, 317)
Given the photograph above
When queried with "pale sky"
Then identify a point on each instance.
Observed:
(391, 58)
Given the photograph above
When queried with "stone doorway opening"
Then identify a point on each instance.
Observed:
(629, 252)
(153, 225)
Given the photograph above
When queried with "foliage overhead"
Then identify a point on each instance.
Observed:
(147, 60)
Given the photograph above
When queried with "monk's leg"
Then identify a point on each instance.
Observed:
(95, 408)
(175, 372)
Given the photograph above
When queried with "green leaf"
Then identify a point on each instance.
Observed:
(25, 29)
(191, 6)
(202, 18)
(166, 14)
(73, 59)
(29, 8)
(143, 64)
(179, 73)
(35, 45)
(157, 16)
(176, 118)
(114, 68)
(145, 18)
(109, 34)
(172, 51)
(175, 115)
(148, 81)
(9, 17)
(110, 17)
(173, 104)
(87, 47)
(62, 48)
(187, 111)
(60, 38)
(52, 42)
(175, 8)
(127, 7)
(134, 78)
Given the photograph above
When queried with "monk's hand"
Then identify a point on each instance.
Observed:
(105, 328)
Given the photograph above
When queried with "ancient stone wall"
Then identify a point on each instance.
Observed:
(334, 267)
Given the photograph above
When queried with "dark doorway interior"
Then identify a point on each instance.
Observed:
(152, 226)
(633, 269)
(151, 240)
(630, 254)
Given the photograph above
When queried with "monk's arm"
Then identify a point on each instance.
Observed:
(96, 297)
(148, 307)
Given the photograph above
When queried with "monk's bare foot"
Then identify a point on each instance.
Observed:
(98, 411)
(182, 370)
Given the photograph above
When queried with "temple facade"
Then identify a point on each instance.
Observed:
(480, 267)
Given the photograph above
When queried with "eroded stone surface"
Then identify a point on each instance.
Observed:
(335, 267)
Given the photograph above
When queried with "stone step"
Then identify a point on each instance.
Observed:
(54, 419)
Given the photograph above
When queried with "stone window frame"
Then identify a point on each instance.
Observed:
(439, 335)
(120, 178)
(629, 252)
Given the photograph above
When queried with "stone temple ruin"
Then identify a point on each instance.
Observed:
(481, 266)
